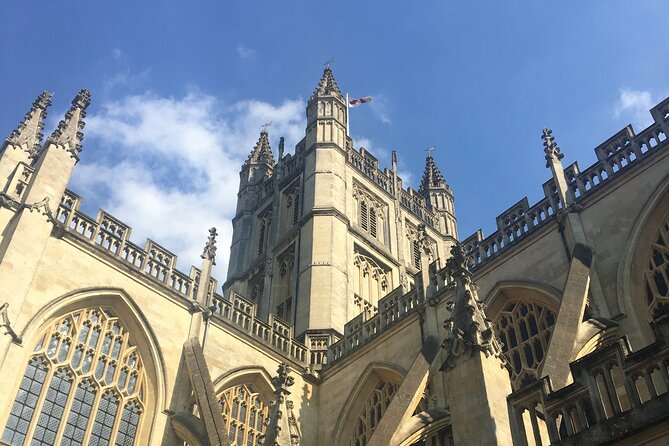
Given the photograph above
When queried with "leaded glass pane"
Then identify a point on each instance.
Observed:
(53, 408)
(80, 413)
(73, 409)
(104, 420)
(372, 411)
(657, 274)
(25, 402)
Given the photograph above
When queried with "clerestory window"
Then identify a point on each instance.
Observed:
(244, 412)
(84, 384)
(525, 331)
(657, 273)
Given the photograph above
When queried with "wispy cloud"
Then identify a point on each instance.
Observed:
(384, 156)
(121, 74)
(245, 52)
(633, 105)
(168, 167)
(381, 107)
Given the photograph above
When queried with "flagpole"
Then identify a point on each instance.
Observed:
(348, 118)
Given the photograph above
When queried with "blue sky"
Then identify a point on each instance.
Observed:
(180, 90)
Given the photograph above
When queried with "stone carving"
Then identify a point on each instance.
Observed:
(432, 177)
(4, 322)
(262, 152)
(210, 248)
(468, 329)
(29, 132)
(550, 147)
(69, 133)
(282, 428)
(327, 85)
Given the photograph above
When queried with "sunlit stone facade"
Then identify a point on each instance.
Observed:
(353, 313)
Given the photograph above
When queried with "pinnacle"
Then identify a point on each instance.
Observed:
(432, 177)
(550, 146)
(327, 85)
(69, 130)
(262, 152)
(28, 134)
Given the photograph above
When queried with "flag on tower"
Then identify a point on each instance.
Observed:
(360, 101)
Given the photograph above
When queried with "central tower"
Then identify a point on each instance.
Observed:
(322, 234)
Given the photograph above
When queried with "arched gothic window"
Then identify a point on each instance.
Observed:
(657, 273)
(370, 213)
(371, 282)
(284, 295)
(525, 331)
(293, 206)
(372, 411)
(84, 384)
(244, 412)
(264, 231)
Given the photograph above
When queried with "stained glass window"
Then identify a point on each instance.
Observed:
(244, 412)
(83, 375)
(657, 273)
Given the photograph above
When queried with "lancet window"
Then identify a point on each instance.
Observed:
(293, 206)
(84, 384)
(657, 273)
(244, 412)
(370, 213)
(284, 294)
(264, 231)
(525, 331)
(371, 283)
(372, 411)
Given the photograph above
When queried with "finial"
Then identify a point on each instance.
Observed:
(262, 152)
(327, 85)
(265, 126)
(210, 248)
(28, 134)
(430, 149)
(69, 131)
(329, 62)
(281, 148)
(393, 157)
(550, 146)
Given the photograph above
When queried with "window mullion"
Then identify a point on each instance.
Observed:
(68, 406)
(40, 402)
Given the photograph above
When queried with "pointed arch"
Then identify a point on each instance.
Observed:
(630, 284)
(524, 313)
(244, 395)
(374, 374)
(131, 320)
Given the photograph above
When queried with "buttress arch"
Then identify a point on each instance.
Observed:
(630, 286)
(122, 306)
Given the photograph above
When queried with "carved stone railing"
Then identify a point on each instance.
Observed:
(362, 329)
(276, 334)
(615, 156)
(369, 166)
(615, 392)
(112, 236)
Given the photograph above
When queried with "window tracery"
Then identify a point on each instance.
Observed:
(244, 412)
(656, 273)
(372, 411)
(83, 376)
(284, 295)
(525, 331)
(370, 213)
(371, 283)
(263, 231)
(293, 206)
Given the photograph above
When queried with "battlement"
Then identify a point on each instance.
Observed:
(615, 156)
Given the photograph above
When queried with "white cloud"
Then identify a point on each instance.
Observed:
(384, 157)
(123, 75)
(381, 108)
(245, 52)
(634, 106)
(169, 167)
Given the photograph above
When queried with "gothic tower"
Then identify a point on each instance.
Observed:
(322, 234)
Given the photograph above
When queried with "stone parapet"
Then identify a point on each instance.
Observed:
(615, 393)
(616, 156)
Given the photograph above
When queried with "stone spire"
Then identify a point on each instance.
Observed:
(282, 428)
(432, 177)
(68, 134)
(327, 85)
(468, 329)
(550, 147)
(28, 134)
(262, 152)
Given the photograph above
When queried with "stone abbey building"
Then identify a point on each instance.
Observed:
(353, 313)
